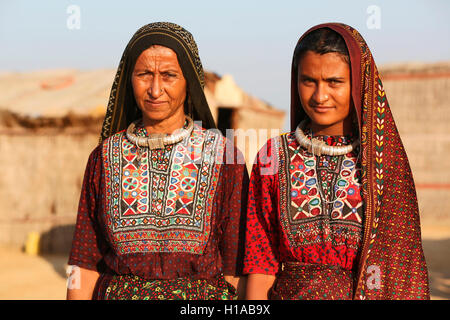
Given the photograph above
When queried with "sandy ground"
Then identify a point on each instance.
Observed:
(26, 277)
(436, 246)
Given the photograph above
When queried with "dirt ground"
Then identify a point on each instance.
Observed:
(26, 277)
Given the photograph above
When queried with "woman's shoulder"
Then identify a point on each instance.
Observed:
(107, 141)
(112, 137)
(95, 154)
(98, 150)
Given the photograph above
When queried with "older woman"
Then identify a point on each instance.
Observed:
(160, 212)
(332, 211)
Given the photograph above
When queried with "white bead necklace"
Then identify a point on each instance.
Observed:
(160, 140)
(319, 147)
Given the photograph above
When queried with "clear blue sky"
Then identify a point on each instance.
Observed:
(251, 40)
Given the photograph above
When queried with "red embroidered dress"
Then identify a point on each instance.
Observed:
(287, 219)
(161, 214)
(338, 260)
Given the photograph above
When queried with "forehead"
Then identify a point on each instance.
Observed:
(158, 53)
(312, 62)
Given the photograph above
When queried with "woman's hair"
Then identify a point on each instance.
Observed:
(321, 41)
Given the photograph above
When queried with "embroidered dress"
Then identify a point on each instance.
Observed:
(163, 223)
(166, 214)
(135, 288)
(367, 243)
(287, 219)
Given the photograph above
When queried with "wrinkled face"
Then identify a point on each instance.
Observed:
(159, 85)
(324, 88)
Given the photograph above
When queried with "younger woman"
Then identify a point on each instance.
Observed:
(332, 211)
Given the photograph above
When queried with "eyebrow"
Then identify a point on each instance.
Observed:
(335, 78)
(304, 76)
(162, 71)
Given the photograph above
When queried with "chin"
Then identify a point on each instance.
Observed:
(323, 121)
(155, 116)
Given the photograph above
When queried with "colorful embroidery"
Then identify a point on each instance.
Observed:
(160, 201)
(379, 181)
(392, 264)
(304, 281)
(129, 287)
(277, 233)
(305, 218)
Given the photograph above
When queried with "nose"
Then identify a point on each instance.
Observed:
(155, 90)
(320, 95)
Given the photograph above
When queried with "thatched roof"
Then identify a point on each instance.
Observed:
(55, 93)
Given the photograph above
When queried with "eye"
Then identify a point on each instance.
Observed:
(307, 81)
(335, 81)
(142, 73)
(169, 75)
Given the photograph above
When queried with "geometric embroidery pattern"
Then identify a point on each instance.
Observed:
(304, 216)
(161, 201)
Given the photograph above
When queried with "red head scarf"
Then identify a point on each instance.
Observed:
(392, 263)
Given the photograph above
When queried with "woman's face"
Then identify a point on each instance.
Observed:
(324, 88)
(159, 86)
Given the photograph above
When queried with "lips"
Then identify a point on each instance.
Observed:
(322, 109)
(154, 103)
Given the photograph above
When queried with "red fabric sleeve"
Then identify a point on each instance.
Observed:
(234, 205)
(262, 215)
(88, 241)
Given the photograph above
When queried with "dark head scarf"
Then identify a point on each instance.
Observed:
(391, 247)
(122, 108)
